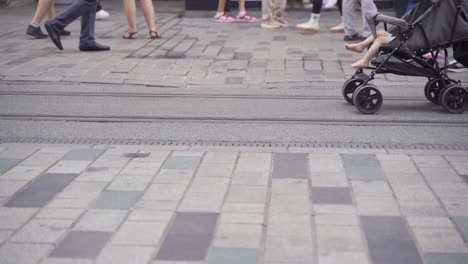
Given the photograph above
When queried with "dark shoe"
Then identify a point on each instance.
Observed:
(95, 47)
(455, 66)
(35, 32)
(54, 34)
(354, 37)
(64, 32)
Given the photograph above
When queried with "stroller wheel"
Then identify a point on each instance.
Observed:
(368, 99)
(453, 98)
(349, 87)
(432, 90)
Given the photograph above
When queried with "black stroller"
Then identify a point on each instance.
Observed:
(430, 27)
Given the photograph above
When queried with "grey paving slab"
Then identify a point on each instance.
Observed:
(465, 178)
(184, 247)
(83, 154)
(290, 165)
(12, 253)
(331, 195)
(461, 223)
(41, 191)
(182, 163)
(120, 200)
(189, 237)
(362, 167)
(389, 234)
(6, 164)
(446, 258)
(81, 244)
(233, 256)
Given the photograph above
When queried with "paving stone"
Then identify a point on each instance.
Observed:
(181, 162)
(344, 257)
(8, 188)
(4, 235)
(129, 183)
(289, 187)
(125, 254)
(141, 168)
(6, 164)
(220, 157)
(166, 192)
(12, 253)
(69, 167)
(337, 219)
(429, 161)
(41, 191)
(209, 184)
(289, 165)
(362, 167)
(465, 178)
(140, 233)
(119, 200)
(80, 190)
(446, 258)
(100, 220)
(150, 216)
(42, 231)
(23, 173)
(331, 195)
(156, 205)
(461, 223)
(215, 170)
(184, 247)
(242, 218)
(244, 208)
(440, 240)
(329, 179)
(233, 256)
(333, 238)
(280, 249)
(59, 213)
(239, 236)
(246, 194)
(67, 261)
(386, 235)
(81, 244)
(83, 154)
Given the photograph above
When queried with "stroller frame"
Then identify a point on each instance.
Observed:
(439, 89)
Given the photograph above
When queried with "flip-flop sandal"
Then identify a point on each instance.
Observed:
(130, 35)
(155, 36)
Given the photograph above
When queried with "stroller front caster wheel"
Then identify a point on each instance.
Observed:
(367, 99)
(453, 98)
(349, 87)
(433, 90)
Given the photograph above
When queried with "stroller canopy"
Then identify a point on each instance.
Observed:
(438, 24)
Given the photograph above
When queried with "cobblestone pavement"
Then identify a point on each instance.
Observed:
(193, 52)
(176, 204)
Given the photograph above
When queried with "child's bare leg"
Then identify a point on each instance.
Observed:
(374, 48)
(359, 47)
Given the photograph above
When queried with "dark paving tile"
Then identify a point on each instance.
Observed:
(242, 55)
(385, 228)
(389, 240)
(119, 200)
(6, 164)
(194, 223)
(465, 178)
(233, 80)
(83, 154)
(362, 167)
(331, 195)
(394, 251)
(446, 258)
(264, 43)
(81, 244)
(41, 191)
(182, 163)
(96, 169)
(228, 50)
(461, 222)
(189, 237)
(290, 165)
(218, 42)
(184, 247)
(280, 38)
(233, 256)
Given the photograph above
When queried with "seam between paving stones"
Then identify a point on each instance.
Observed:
(312, 214)
(266, 210)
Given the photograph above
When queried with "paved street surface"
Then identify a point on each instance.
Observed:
(163, 204)
(219, 144)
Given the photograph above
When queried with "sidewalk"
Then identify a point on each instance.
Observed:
(175, 204)
(193, 52)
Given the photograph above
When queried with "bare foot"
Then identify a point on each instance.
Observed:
(360, 64)
(355, 47)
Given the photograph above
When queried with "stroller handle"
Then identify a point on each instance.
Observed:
(390, 20)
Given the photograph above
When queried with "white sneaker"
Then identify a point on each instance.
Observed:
(312, 25)
(338, 28)
(102, 14)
